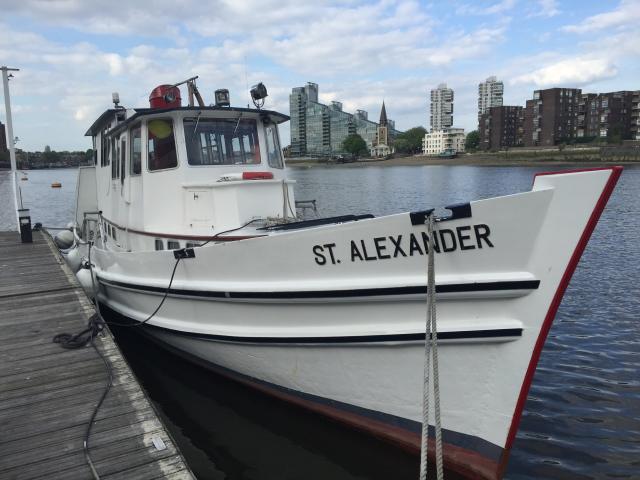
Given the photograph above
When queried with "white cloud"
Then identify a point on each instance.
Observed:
(570, 72)
(627, 14)
(492, 9)
(545, 8)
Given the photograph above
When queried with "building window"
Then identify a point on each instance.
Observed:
(173, 245)
(161, 151)
(136, 150)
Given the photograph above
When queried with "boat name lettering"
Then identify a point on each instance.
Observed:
(466, 237)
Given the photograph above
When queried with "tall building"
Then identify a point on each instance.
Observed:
(365, 127)
(489, 95)
(3, 138)
(441, 108)
(299, 100)
(501, 127)
(320, 130)
(341, 125)
(551, 117)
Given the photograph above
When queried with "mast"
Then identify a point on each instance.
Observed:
(11, 138)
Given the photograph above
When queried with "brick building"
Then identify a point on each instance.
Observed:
(635, 115)
(501, 127)
(551, 117)
(606, 115)
(3, 138)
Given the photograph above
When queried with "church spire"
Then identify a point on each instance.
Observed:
(383, 116)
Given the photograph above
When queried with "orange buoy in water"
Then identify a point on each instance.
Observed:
(56, 185)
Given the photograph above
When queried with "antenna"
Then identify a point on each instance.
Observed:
(246, 79)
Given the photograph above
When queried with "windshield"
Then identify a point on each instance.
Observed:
(221, 142)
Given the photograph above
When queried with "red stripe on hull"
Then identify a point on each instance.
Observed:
(557, 299)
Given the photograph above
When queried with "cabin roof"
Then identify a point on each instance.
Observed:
(275, 117)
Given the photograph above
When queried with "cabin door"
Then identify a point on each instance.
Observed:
(199, 207)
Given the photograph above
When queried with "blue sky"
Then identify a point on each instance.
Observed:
(74, 53)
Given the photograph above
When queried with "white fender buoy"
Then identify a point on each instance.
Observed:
(64, 239)
(73, 258)
(84, 278)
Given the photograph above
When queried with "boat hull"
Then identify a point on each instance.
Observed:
(377, 372)
(333, 317)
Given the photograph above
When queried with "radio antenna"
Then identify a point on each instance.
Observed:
(246, 78)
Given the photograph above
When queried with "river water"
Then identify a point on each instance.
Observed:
(582, 417)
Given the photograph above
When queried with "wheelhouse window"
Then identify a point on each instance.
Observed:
(135, 155)
(274, 154)
(173, 245)
(123, 157)
(222, 142)
(161, 151)
(113, 154)
(104, 149)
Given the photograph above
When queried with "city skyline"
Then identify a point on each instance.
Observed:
(73, 54)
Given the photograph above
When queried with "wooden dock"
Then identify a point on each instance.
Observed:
(47, 393)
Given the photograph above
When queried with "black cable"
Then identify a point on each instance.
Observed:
(164, 297)
(95, 326)
(66, 340)
(211, 239)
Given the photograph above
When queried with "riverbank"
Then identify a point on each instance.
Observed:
(530, 158)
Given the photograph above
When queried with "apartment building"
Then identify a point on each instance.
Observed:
(551, 117)
(441, 113)
(3, 138)
(320, 130)
(606, 115)
(501, 127)
(490, 94)
(442, 141)
(635, 115)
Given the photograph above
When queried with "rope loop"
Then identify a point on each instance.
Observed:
(431, 349)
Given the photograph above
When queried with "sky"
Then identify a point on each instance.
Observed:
(72, 54)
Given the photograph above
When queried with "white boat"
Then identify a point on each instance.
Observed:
(329, 313)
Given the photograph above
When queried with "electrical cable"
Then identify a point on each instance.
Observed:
(97, 324)
(94, 328)
(211, 239)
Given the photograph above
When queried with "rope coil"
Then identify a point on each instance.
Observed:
(431, 348)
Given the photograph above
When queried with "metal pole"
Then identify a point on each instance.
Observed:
(10, 138)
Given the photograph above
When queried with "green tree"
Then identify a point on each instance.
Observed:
(355, 145)
(614, 134)
(472, 141)
(49, 156)
(410, 141)
(402, 145)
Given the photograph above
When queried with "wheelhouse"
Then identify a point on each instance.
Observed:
(183, 174)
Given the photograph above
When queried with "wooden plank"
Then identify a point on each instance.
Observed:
(48, 394)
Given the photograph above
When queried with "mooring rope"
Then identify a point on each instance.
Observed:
(431, 346)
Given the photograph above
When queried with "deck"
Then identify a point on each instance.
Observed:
(47, 393)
